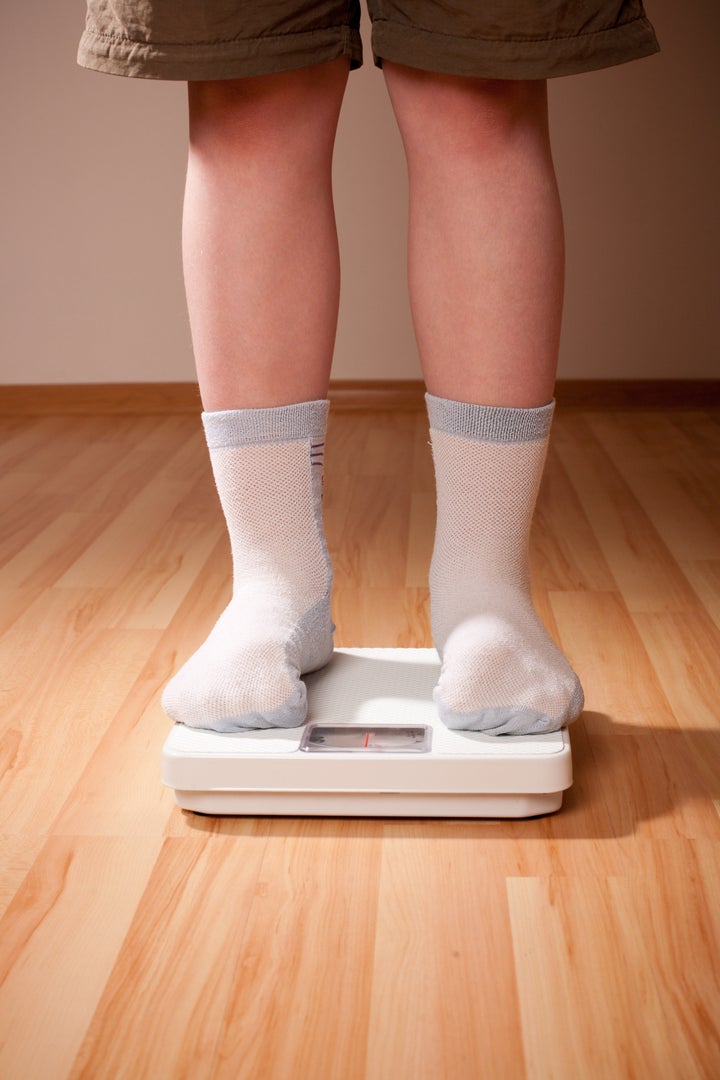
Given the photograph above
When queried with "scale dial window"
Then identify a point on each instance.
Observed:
(366, 739)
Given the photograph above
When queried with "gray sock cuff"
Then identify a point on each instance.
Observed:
(489, 423)
(286, 423)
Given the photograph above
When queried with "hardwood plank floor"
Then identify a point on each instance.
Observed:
(140, 941)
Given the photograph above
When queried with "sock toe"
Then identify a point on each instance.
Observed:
(235, 689)
(209, 711)
(511, 719)
(506, 679)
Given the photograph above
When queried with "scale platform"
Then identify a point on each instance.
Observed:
(373, 746)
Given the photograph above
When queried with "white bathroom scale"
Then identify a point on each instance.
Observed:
(373, 746)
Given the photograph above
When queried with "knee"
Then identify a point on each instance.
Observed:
(457, 113)
(264, 111)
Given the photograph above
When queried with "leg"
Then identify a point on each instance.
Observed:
(260, 249)
(485, 251)
(486, 284)
(262, 276)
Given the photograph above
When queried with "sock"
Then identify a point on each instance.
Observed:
(501, 671)
(268, 466)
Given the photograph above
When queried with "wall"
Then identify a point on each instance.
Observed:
(92, 183)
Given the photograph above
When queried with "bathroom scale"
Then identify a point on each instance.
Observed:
(372, 746)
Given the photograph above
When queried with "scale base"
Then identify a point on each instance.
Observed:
(465, 774)
(366, 804)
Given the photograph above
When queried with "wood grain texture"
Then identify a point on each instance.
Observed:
(563, 973)
(139, 941)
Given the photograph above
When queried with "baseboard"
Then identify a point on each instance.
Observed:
(105, 399)
(638, 393)
(358, 395)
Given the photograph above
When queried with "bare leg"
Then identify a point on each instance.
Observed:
(260, 249)
(486, 250)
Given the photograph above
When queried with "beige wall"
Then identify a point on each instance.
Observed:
(92, 180)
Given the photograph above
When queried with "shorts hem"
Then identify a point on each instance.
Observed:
(512, 59)
(116, 55)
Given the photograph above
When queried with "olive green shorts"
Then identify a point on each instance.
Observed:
(494, 39)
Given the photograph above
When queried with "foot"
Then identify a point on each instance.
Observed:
(247, 674)
(505, 676)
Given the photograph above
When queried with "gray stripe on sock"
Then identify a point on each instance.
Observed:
(489, 423)
(233, 427)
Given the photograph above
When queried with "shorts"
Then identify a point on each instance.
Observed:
(494, 39)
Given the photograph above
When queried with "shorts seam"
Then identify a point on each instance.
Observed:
(122, 39)
(517, 41)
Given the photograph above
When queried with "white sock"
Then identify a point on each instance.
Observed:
(268, 466)
(501, 672)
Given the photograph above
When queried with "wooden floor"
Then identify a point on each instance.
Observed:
(140, 941)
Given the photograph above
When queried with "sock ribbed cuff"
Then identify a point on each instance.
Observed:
(489, 423)
(233, 427)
